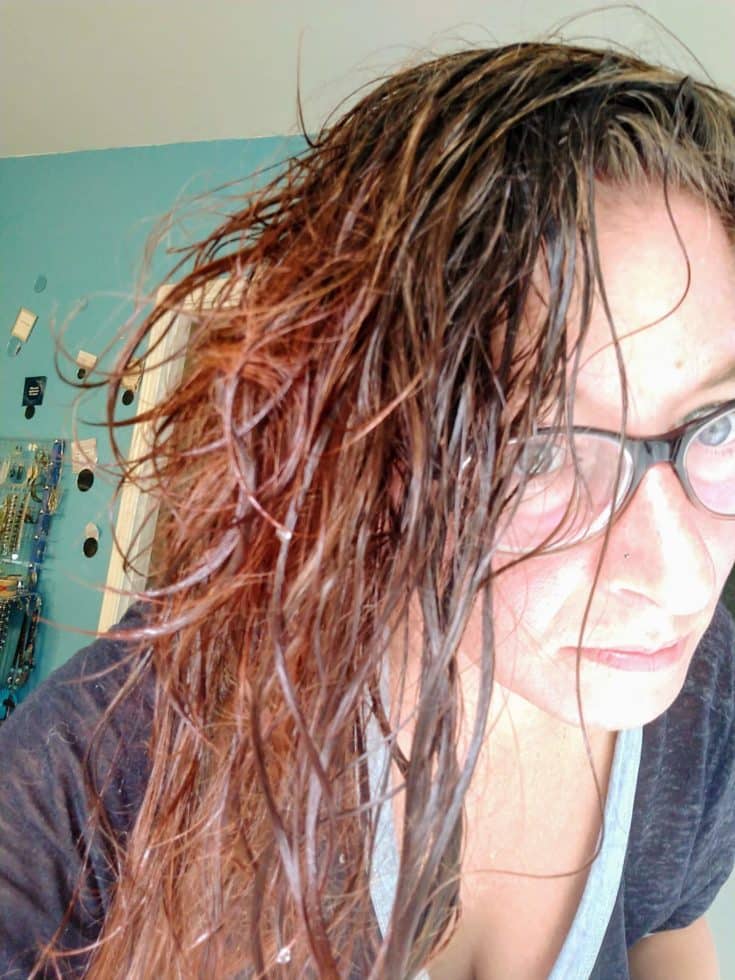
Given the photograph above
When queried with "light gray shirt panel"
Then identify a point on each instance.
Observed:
(582, 945)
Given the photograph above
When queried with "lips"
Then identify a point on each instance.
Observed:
(627, 658)
(646, 651)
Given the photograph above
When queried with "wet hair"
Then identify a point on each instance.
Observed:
(338, 450)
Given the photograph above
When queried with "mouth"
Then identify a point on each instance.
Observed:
(643, 661)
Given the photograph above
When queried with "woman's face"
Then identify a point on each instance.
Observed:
(680, 555)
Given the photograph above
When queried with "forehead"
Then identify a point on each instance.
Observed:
(668, 276)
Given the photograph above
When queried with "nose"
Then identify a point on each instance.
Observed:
(670, 563)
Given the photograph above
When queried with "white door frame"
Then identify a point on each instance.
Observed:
(138, 511)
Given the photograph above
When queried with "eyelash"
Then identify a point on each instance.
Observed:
(704, 411)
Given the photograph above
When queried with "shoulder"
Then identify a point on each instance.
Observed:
(60, 717)
(682, 841)
(696, 736)
(699, 723)
(710, 682)
(54, 750)
(82, 721)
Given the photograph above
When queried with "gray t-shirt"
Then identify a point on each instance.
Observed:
(680, 848)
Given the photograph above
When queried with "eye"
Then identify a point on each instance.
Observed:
(719, 431)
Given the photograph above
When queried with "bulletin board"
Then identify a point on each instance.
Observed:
(30, 474)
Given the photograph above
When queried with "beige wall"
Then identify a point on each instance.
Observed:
(83, 74)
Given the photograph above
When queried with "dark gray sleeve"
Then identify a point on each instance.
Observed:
(711, 859)
(45, 828)
(682, 843)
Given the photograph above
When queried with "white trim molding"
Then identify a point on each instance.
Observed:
(137, 511)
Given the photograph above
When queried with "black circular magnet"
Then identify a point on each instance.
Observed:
(85, 479)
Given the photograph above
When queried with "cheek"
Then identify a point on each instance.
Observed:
(718, 538)
(536, 600)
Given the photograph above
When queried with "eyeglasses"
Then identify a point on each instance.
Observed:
(570, 490)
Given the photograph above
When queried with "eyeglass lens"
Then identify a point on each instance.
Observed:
(563, 503)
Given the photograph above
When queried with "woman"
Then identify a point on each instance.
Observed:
(433, 679)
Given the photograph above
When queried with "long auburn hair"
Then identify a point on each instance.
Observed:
(337, 446)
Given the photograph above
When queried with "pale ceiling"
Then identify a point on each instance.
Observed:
(95, 74)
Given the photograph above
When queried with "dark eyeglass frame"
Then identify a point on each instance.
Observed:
(645, 452)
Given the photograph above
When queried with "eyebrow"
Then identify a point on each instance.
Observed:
(721, 376)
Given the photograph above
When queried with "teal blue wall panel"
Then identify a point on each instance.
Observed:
(81, 220)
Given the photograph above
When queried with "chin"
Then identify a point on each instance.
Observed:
(614, 702)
